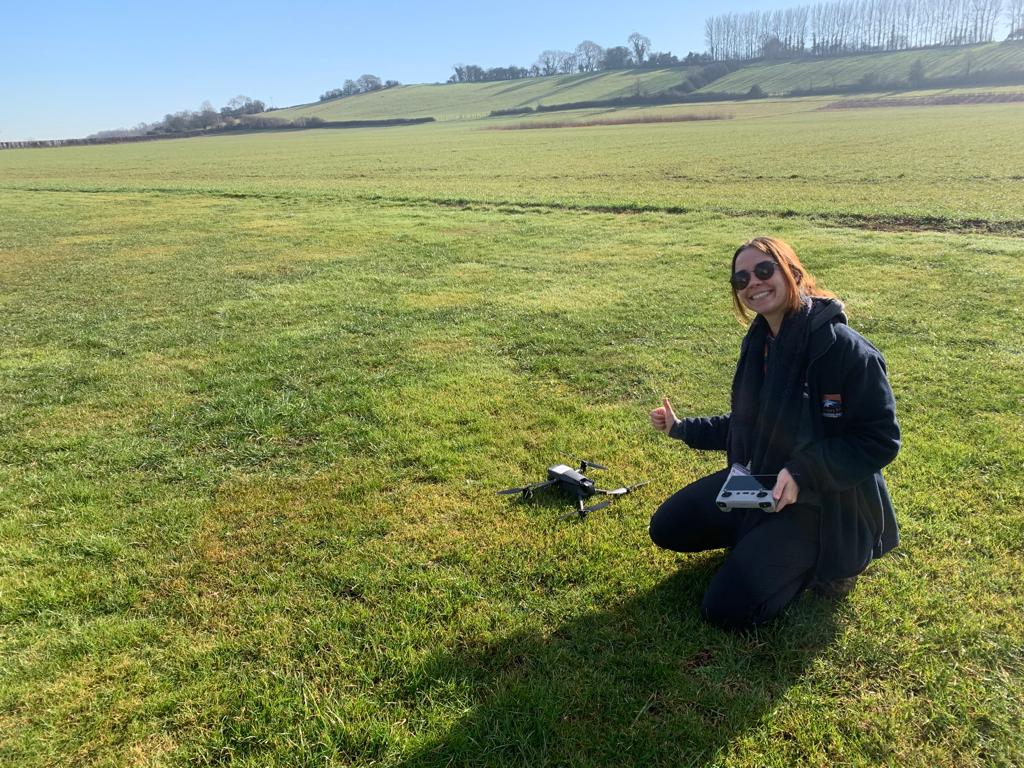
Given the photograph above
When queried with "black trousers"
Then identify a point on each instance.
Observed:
(771, 556)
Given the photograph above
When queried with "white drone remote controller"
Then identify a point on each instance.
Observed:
(743, 490)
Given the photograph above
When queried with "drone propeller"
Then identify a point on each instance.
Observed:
(508, 491)
(581, 511)
(585, 464)
(625, 490)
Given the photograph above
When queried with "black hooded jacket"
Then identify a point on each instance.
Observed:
(819, 405)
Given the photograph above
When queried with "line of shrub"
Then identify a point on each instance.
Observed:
(512, 111)
(612, 121)
(277, 123)
(654, 100)
(873, 84)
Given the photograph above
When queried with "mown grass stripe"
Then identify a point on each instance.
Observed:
(881, 223)
(872, 222)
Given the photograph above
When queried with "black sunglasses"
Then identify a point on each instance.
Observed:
(763, 270)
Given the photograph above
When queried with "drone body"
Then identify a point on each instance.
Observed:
(574, 483)
(572, 480)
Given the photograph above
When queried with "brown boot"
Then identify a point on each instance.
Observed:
(836, 589)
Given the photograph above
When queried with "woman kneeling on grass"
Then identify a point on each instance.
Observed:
(811, 405)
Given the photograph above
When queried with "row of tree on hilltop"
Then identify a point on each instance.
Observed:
(362, 84)
(206, 117)
(841, 27)
(829, 28)
(587, 57)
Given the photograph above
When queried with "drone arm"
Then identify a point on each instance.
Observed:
(620, 491)
(580, 512)
(527, 490)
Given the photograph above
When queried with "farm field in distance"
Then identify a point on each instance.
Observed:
(472, 101)
(257, 393)
(957, 163)
(475, 100)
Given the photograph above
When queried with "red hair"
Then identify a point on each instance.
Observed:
(799, 282)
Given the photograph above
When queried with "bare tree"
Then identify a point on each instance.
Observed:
(207, 117)
(711, 37)
(369, 83)
(989, 13)
(835, 27)
(588, 56)
(547, 62)
(1015, 17)
(640, 45)
(566, 62)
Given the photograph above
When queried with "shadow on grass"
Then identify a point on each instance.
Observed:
(643, 683)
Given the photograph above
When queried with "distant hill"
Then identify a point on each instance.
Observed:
(474, 100)
(874, 71)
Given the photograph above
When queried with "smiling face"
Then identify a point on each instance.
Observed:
(768, 297)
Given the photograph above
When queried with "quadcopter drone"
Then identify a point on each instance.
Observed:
(576, 483)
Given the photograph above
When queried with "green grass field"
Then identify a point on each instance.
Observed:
(257, 393)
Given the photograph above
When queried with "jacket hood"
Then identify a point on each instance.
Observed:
(826, 311)
(821, 311)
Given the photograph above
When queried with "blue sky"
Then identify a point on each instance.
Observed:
(71, 69)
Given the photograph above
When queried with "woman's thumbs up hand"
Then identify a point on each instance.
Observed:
(663, 418)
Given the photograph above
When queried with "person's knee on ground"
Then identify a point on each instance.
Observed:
(731, 607)
(689, 521)
(673, 528)
(661, 528)
(741, 596)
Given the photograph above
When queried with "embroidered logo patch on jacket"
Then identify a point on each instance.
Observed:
(832, 406)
